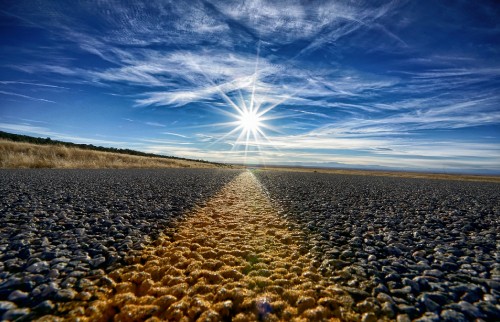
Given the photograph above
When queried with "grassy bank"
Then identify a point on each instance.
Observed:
(16, 155)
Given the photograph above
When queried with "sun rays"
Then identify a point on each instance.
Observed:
(248, 125)
(249, 113)
(249, 107)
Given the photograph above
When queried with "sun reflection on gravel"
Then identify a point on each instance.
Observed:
(235, 258)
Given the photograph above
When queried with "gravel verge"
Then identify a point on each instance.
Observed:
(63, 228)
(404, 248)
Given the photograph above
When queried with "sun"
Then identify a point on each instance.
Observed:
(249, 112)
(250, 121)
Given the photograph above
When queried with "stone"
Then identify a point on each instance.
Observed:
(44, 307)
(6, 305)
(14, 314)
(389, 309)
(96, 262)
(39, 267)
(380, 288)
(18, 296)
(403, 318)
(433, 272)
(471, 311)
(493, 284)
(471, 297)
(428, 317)
(422, 282)
(411, 283)
(44, 290)
(437, 297)
(429, 304)
(305, 302)
(393, 250)
(401, 292)
(65, 294)
(369, 317)
(491, 310)
(409, 310)
(53, 273)
(383, 298)
(453, 316)
(356, 293)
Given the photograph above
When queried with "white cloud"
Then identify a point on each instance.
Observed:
(26, 96)
(176, 134)
(155, 124)
(46, 132)
(31, 84)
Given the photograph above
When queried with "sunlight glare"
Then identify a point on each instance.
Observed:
(249, 113)
(250, 121)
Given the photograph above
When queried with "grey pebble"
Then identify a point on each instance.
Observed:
(453, 316)
(383, 298)
(471, 311)
(428, 317)
(430, 305)
(6, 305)
(39, 267)
(44, 307)
(389, 309)
(409, 310)
(471, 297)
(403, 318)
(44, 290)
(434, 273)
(18, 295)
(14, 314)
(491, 310)
(96, 262)
(53, 273)
(65, 295)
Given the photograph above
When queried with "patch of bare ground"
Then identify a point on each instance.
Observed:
(15, 155)
(232, 259)
(400, 174)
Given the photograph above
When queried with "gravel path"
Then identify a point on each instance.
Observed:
(342, 246)
(233, 259)
(404, 248)
(60, 229)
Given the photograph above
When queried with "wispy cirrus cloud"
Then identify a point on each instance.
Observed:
(155, 124)
(176, 134)
(34, 130)
(31, 84)
(26, 97)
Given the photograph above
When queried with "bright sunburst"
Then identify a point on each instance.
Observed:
(249, 124)
(250, 121)
(250, 111)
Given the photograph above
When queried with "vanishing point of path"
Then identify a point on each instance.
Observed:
(232, 259)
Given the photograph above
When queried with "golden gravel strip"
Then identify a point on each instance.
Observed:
(234, 259)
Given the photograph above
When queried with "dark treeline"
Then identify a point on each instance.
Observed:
(49, 141)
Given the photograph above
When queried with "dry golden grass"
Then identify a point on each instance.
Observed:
(15, 155)
(442, 176)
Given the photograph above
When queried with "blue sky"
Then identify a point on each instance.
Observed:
(366, 84)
